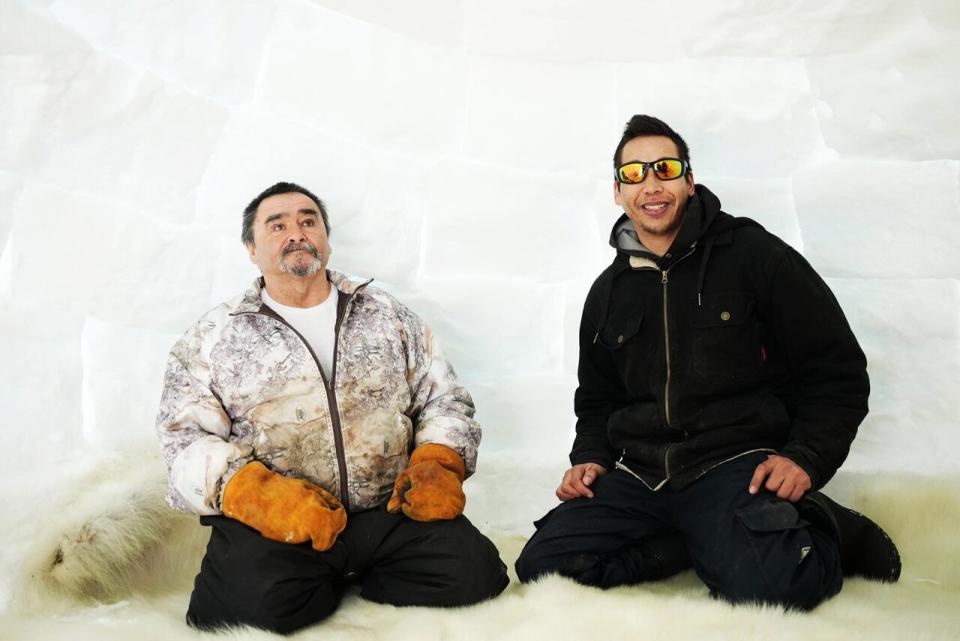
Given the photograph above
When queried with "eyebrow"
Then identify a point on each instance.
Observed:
(283, 214)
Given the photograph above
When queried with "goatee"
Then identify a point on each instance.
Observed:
(300, 269)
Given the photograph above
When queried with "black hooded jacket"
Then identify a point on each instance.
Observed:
(729, 343)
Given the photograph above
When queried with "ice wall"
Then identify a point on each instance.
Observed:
(463, 148)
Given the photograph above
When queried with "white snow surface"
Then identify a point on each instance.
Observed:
(464, 151)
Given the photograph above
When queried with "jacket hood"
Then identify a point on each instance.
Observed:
(703, 219)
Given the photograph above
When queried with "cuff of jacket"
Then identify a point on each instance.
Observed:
(592, 457)
(811, 463)
(232, 468)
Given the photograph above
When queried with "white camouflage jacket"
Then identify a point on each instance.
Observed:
(242, 384)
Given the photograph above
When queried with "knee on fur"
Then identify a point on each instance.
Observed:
(802, 594)
(532, 563)
(281, 617)
(477, 573)
(536, 561)
(459, 567)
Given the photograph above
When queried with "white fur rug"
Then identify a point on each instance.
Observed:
(97, 555)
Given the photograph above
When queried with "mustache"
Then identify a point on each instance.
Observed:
(308, 247)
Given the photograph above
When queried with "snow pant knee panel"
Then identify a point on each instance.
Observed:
(246, 579)
(614, 538)
(437, 563)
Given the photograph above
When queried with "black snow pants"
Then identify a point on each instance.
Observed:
(745, 548)
(246, 579)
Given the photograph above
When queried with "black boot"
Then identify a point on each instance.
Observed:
(865, 549)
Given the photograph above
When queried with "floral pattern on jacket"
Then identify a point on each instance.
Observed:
(241, 384)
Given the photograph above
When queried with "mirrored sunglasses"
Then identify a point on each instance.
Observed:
(635, 172)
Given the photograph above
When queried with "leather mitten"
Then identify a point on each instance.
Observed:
(431, 488)
(283, 509)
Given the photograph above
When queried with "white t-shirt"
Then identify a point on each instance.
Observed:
(317, 324)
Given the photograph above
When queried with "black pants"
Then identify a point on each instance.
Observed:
(744, 547)
(246, 579)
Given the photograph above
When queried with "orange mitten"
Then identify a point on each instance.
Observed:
(431, 488)
(283, 509)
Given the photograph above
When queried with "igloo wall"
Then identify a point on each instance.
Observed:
(463, 149)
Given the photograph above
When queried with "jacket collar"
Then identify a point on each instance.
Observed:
(251, 301)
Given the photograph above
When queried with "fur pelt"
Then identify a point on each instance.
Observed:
(113, 562)
(108, 535)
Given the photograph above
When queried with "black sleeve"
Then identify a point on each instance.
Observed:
(828, 368)
(598, 394)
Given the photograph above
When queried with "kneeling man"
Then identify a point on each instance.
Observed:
(316, 427)
(720, 388)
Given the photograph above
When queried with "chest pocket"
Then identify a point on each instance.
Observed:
(727, 338)
(626, 342)
(619, 329)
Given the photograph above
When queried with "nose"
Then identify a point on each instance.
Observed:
(651, 184)
(296, 235)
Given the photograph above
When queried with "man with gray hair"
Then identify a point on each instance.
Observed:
(316, 427)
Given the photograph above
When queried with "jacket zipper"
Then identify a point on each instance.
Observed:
(664, 280)
(666, 385)
(328, 386)
(332, 400)
(666, 345)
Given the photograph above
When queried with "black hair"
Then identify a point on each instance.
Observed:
(643, 125)
(250, 213)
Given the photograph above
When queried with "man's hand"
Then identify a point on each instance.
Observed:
(577, 479)
(784, 477)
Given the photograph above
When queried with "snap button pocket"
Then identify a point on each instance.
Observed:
(722, 310)
(727, 337)
(619, 331)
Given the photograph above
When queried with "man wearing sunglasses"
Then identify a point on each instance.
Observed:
(316, 427)
(720, 389)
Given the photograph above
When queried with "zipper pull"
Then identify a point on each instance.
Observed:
(663, 279)
(596, 337)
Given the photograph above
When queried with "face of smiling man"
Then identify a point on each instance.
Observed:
(655, 206)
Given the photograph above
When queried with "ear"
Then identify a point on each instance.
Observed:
(251, 251)
(691, 185)
(616, 193)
